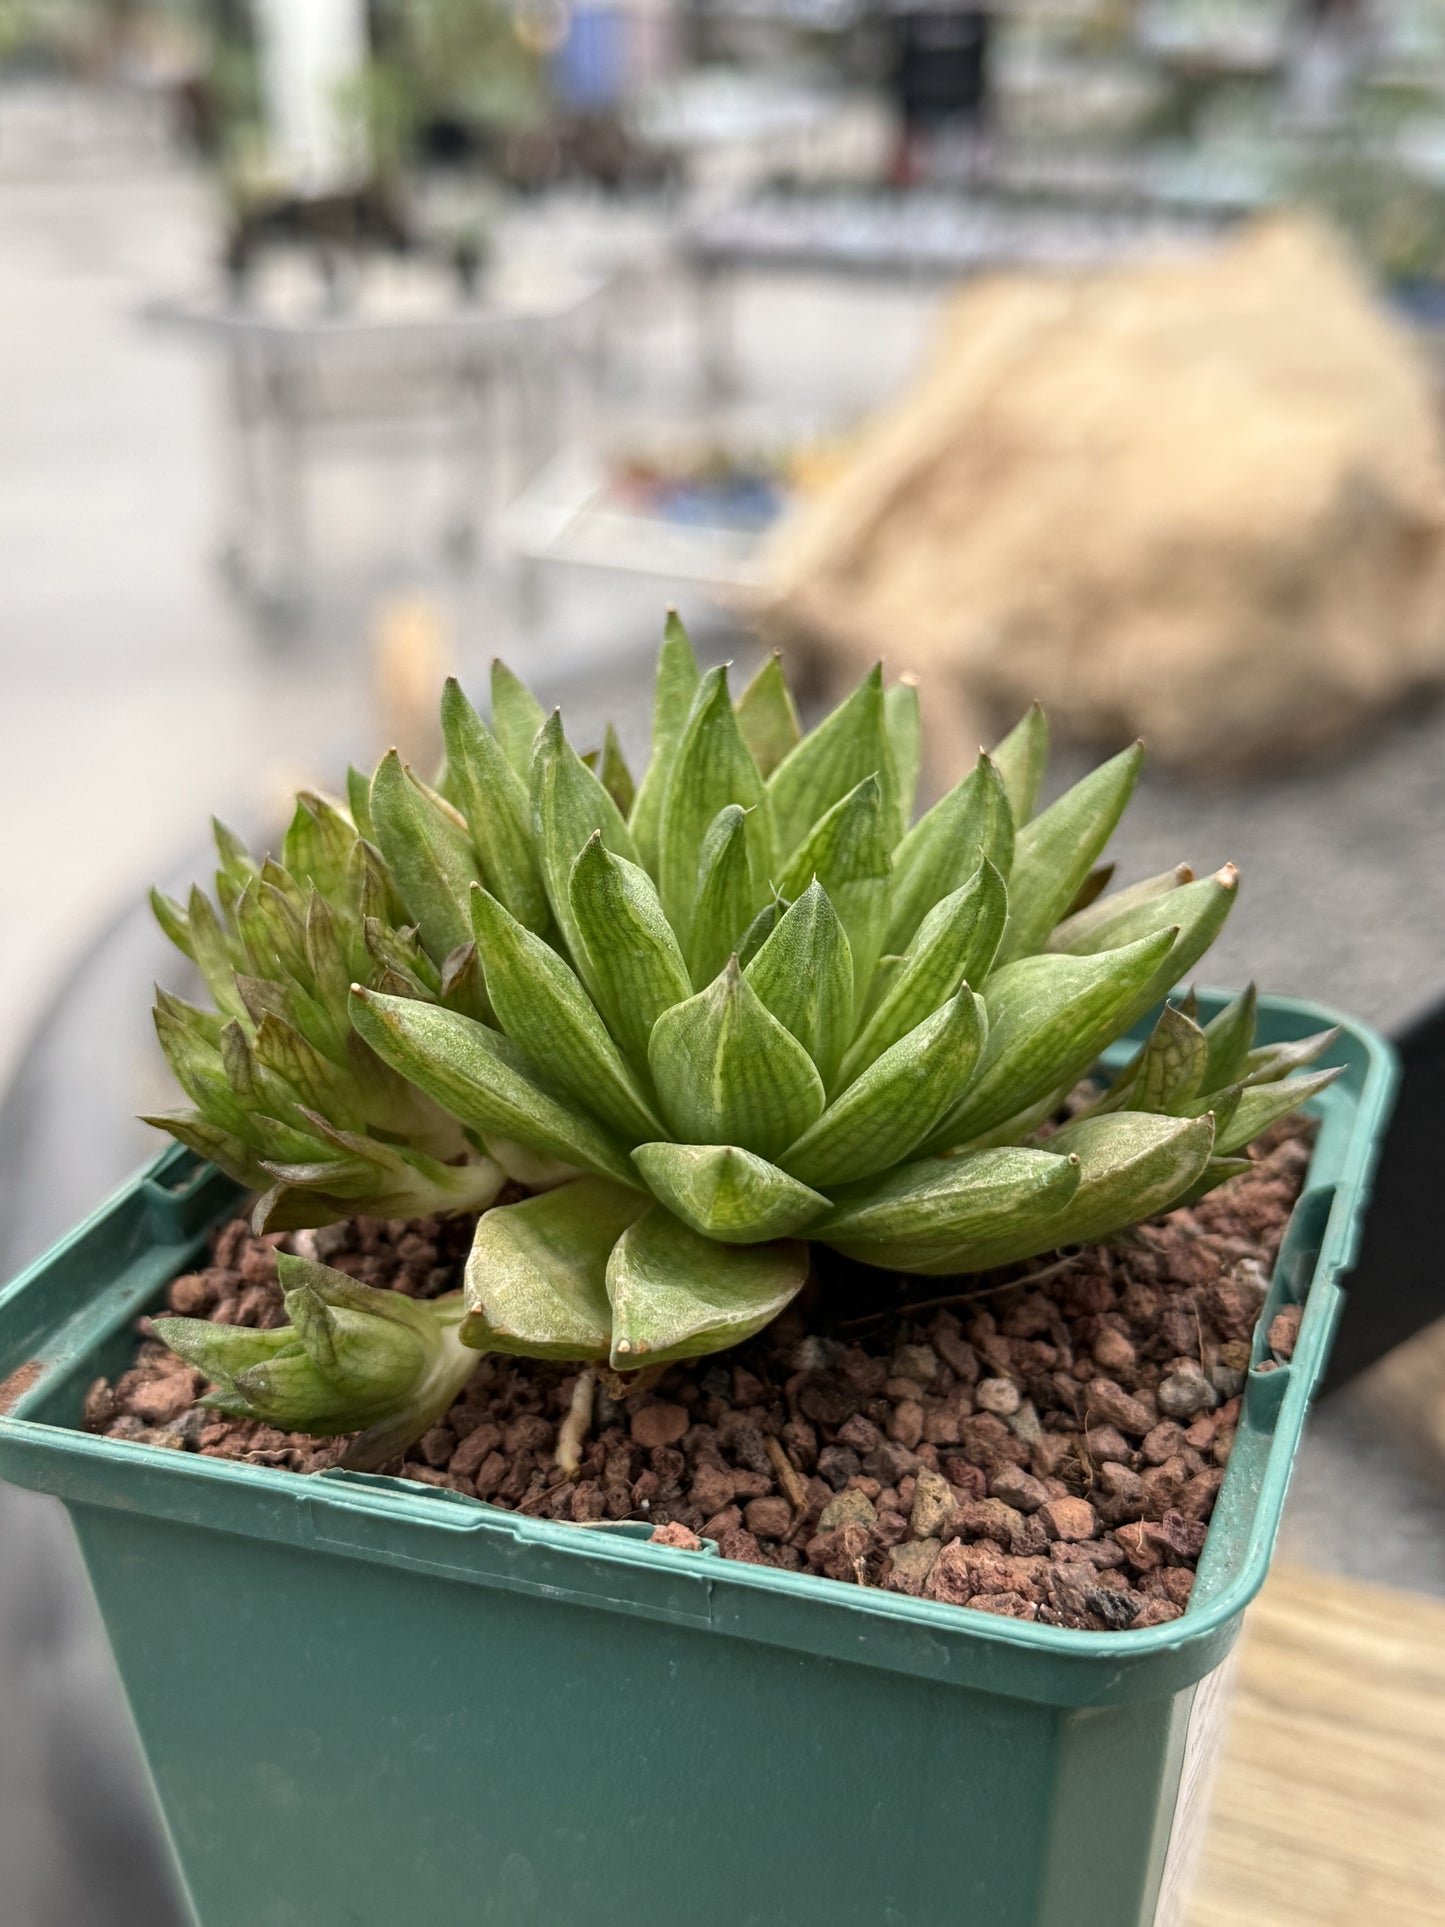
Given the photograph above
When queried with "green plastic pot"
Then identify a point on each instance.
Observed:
(370, 1703)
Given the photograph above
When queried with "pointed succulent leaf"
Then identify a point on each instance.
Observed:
(1216, 1172)
(1220, 1105)
(353, 1357)
(358, 802)
(678, 677)
(847, 853)
(363, 1175)
(173, 921)
(221, 1147)
(727, 1193)
(846, 748)
(234, 871)
(398, 952)
(726, 897)
(483, 1080)
(1274, 1061)
(803, 973)
(345, 1293)
(212, 957)
(199, 1065)
(1131, 1167)
(238, 1061)
(711, 768)
(531, 1169)
(232, 851)
(272, 929)
(768, 717)
(1093, 887)
(727, 1072)
(1093, 927)
(463, 986)
(545, 1011)
(536, 1279)
(1264, 1104)
(428, 852)
(1021, 759)
(317, 846)
(340, 1177)
(370, 891)
(568, 805)
(327, 971)
(888, 1111)
(1019, 1128)
(360, 1347)
(616, 776)
(933, 1214)
(1198, 911)
(945, 847)
(885, 975)
(517, 716)
(316, 1082)
(1048, 1019)
(904, 724)
(1203, 909)
(1230, 1036)
(498, 811)
(955, 944)
(1056, 850)
(760, 929)
(222, 1352)
(205, 1025)
(1171, 1067)
(634, 966)
(677, 1294)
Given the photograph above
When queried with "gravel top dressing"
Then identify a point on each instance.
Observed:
(1047, 1443)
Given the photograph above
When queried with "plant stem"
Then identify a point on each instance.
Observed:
(577, 1424)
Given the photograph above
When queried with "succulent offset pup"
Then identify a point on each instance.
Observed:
(740, 1009)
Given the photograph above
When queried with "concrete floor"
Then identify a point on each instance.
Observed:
(137, 700)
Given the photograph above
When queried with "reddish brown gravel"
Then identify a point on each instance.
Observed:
(1046, 1445)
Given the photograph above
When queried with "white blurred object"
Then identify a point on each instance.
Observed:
(313, 54)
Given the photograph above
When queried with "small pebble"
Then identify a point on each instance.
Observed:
(910, 1564)
(659, 1424)
(676, 1535)
(847, 1509)
(1183, 1394)
(933, 1505)
(997, 1395)
(768, 1518)
(1069, 1519)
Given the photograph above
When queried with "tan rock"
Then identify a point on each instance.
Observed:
(1201, 500)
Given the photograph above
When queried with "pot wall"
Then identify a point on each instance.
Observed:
(368, 1703)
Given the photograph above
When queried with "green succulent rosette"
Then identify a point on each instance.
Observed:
(748, 1005)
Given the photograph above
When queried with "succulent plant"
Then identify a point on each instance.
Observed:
(352, 1359)
(740, 1009)
(287, 1098)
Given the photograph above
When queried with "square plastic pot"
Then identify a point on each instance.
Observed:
(370, 1703)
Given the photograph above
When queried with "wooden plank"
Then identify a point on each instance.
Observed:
(1330, 1806)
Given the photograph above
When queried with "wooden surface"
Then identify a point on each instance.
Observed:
(1330, 1805)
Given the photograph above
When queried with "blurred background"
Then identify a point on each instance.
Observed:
(1082, 349)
